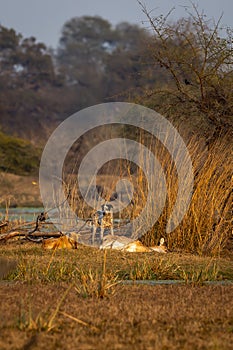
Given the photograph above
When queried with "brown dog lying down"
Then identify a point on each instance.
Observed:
(110, 242)
(63, 242)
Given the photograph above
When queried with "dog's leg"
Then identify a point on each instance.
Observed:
(93, 234)
(101, 233)
(112, 231)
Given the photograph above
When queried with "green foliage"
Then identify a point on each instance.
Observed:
(201, 274)
(24, 62)
(92, 276)
(95, 61)
(156, 269)
(181, 69)
(93, 54)
(28, 83)
(8, 38)
(18, 156)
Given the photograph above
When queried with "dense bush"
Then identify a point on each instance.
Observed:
(18, 156)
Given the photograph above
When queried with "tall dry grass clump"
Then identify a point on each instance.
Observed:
(207, 225)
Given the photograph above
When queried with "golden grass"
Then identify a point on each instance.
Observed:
(207, 224)
(85, 264)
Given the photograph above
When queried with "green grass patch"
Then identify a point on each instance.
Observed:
(18, 156)
(36, 265)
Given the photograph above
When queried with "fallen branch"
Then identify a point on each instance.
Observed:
(40, 219)
(3, 224)
(6, 236)
(25, 224)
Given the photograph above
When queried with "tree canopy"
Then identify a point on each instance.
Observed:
(182, 69)
(199, 62)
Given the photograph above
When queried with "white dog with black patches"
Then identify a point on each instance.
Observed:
(104, 219)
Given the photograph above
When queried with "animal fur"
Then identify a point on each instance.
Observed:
(128, 245)
(103, 219)
(161, 248)
(62, 242)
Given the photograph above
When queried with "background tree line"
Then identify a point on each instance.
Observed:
(182, 69)
(93, 63)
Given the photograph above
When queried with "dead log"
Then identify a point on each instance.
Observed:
(12, 234)
(8, 235)
(3, 224)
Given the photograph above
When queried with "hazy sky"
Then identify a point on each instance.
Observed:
(45, 18)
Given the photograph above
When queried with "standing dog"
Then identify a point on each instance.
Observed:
(104, 219)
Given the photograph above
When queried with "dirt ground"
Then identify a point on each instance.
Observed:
(135, 317)
(43, 307)
(23, 191)
(25, 188)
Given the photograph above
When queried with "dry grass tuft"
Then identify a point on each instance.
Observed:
(207, 224)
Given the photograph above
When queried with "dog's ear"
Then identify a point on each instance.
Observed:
(110, 206)
(113, 197)
(162, 241)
